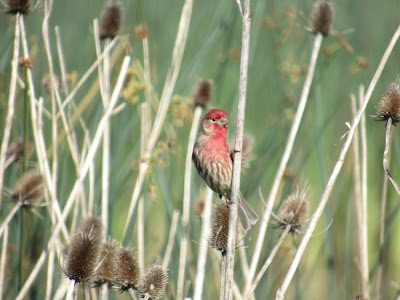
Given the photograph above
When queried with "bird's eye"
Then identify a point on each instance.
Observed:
(213, 119)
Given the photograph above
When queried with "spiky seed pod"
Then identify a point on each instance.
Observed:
(198, 205)
(48, 86)
(83, 251)
(18, 6)
(106, 264)
(141, 32)
(202, 95)
(220, 228)
(389, 106)
(110, 21)
(322, 17)
(126, 269)
(294, 210)
(29, 189)
(153, 282)
(16, 149)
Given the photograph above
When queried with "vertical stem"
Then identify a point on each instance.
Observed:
(11, 102)
(364, 253)
(383, 215)
(26, 119)
(203, 249)
(222, 285)
(105, 178)
(186, 203)
(3, 261)
(237, 159)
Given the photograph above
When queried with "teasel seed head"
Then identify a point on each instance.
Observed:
(389, 106)
(83, 251)
(294, 210)
(16, 149)
(126, 269)
(47, 84)
(153, 283)
(198, 205)
(322, 17)
(29, 189)
(105, 273)
(220, 228)
(203, 94)
(110, 22)
(141, 32)
(18, 6)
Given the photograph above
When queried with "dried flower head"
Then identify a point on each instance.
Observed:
(294, 210)
(153, 283)
(141, 32)
(48, 85)
(126, 269)
(202, 95)
(220, 228)
(18, 6)
(389, 106)
(16, 149)
(198, 205)
(110, 21)
(25, 62)
(106, 268)
(29, 189)
(83, 251)
(322, 17)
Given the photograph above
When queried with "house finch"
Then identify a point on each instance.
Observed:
(213, 161)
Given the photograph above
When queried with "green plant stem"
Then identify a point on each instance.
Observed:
(26, 119)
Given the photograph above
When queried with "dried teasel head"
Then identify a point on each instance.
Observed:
(152, 284)
(198, 205)
(83, 251)
(18, 6)
(16, 149)
(110, 22)
(220, 228)
(322, 17)
(105, 273)
(294, 210)
(141, 32)
(29, 189)
(203, 94)
(48, 85)
(389, 106)
(126, 269)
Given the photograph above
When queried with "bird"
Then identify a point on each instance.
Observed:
(214, 163)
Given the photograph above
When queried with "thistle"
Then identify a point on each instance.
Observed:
(322, 18)
(153, 283)
(126, 269)
(83, 251)
(110, 22)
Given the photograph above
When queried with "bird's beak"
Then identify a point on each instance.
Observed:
(223, 122)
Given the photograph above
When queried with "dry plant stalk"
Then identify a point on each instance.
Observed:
(237, 157)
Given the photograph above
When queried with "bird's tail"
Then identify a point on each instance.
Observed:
(246, 214)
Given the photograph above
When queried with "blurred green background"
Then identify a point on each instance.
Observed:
(280, 50)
